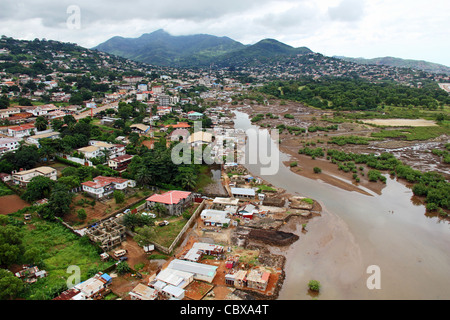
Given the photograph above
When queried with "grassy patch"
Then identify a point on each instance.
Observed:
(165, 235)
(59, 249)
(4, 190)
(413, 134)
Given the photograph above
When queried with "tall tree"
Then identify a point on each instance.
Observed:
(41, 123)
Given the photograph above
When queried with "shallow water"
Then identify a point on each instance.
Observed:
(356, 231)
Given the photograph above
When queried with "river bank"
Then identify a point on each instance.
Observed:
(356, 231)
(330, 173)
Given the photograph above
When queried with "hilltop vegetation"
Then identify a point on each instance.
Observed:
(357, 94)
(402, 63)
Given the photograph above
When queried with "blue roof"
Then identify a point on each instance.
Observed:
(106, 277)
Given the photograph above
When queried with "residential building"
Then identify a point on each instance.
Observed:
(9, 145)
(103, 186)
(6, 113)
(120, 163)
(200, 138)
(199, 249)
(164, 100)
(174, 201)
(175, 278)
(201, 272)
(172, 292)
(24, 177)
(179, 125)
(35, 139)
(244, 193)
(21, 131)
(140, 128)
(88, 290)
(258, 280)
(222, 203)
(100, 148)
(90, 152)
(143, 292)
(195, 115)
(157, 89)
(215, 218)
(163, 110)
(240, 279)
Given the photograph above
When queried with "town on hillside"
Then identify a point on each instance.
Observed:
(92, 205)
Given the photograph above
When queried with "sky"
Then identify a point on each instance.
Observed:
(409, 29)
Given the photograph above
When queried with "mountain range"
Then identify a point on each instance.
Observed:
(161, 48)
(202, 50)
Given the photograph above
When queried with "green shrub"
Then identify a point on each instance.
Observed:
(314, 285)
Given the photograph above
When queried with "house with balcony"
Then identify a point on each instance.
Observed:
(24, 177)
(101, 186)
(120, 163)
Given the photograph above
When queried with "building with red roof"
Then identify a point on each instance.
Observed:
(120, 163)
(174, 201)
(21, 131)
(179, 125)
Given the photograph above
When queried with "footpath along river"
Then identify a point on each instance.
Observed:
(356, 231)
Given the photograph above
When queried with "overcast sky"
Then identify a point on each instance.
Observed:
(409, 29)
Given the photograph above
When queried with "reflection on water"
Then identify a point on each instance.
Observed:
(356, 231)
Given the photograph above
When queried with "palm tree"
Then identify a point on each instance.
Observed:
(41, 123)
(188, 181)
(143, 176)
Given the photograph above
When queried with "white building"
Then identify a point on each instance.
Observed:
(243, 193)
(9, 145)
(200, 271)
(24, 177)
(21, 131)
(35, 139)
(103, 186)
(215, 218)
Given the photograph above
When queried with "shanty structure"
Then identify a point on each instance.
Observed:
(143, 292)
(258, 280)
(243, 193)
(215, 218)
(222, 203)
(199, 249)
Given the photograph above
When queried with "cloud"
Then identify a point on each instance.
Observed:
(341, 27)
(347, 11)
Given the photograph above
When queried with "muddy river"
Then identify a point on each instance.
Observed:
(358, 231)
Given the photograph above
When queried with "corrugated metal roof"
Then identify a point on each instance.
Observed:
(193, 267)
(243, 191)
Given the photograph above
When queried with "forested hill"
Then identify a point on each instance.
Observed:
(402, 63)
(357, 94)
(161, 48)
(44, 57)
